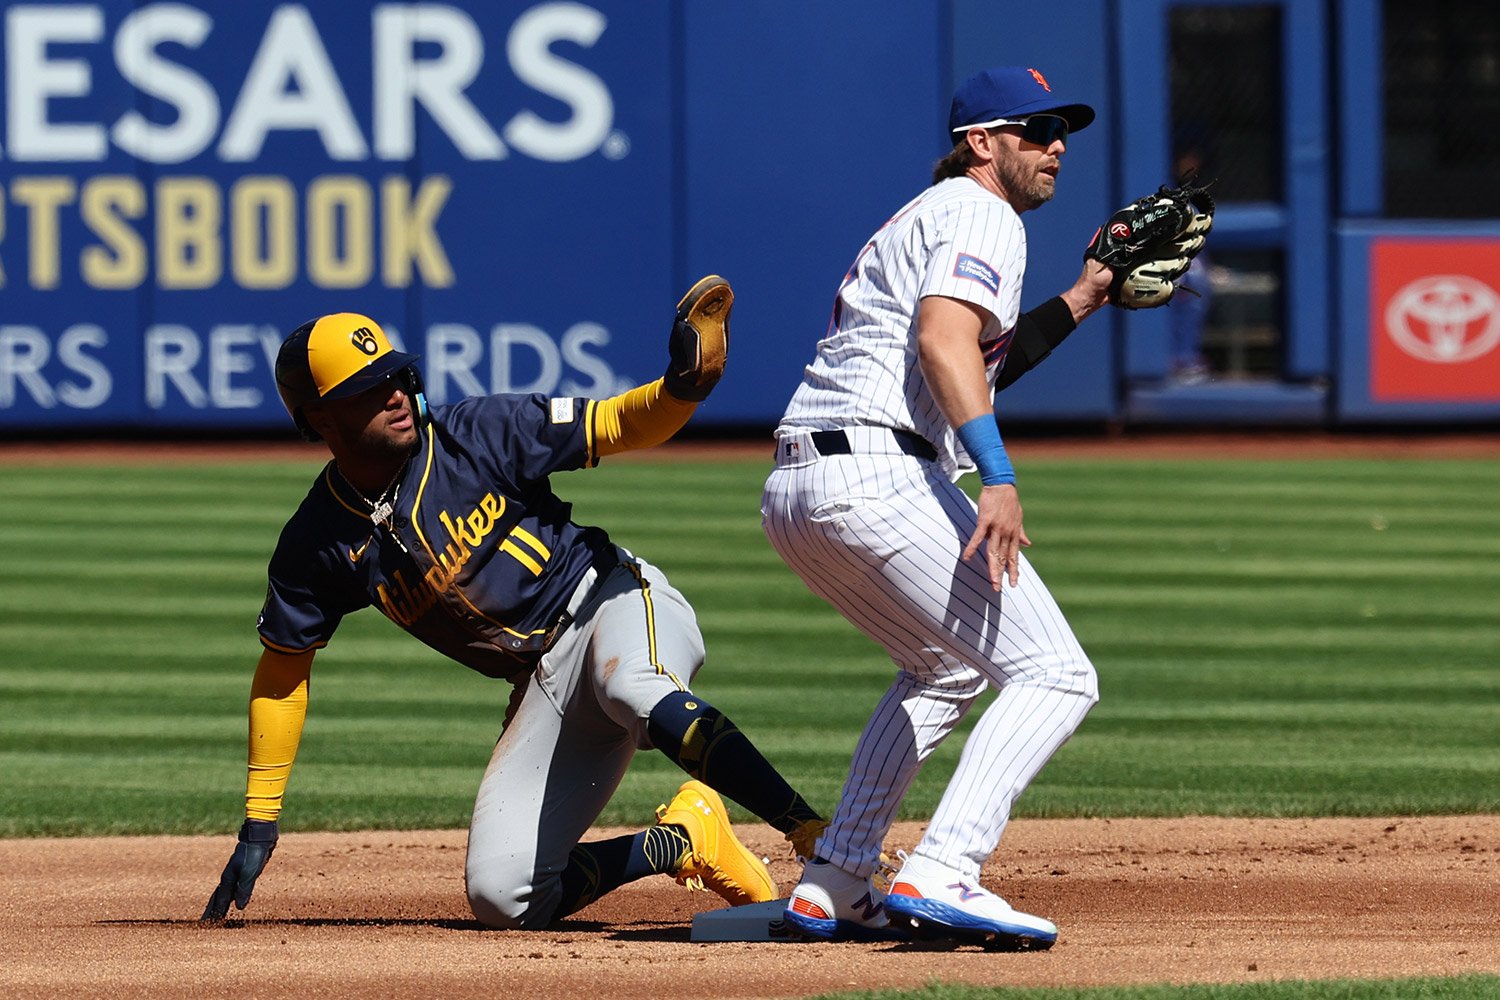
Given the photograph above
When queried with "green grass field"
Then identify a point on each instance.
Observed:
(1273, 638)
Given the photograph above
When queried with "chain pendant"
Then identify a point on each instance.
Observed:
(382, 512)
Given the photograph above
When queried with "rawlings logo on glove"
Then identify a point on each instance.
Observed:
(1150, 243)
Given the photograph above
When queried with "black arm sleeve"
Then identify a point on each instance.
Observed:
(1037, 333)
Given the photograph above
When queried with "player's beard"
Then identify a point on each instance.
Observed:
(1026, 186)
(387, 449)
(374, 441)
(381, 442)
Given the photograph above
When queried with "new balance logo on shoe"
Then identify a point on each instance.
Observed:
(965, 891)
(867, 908)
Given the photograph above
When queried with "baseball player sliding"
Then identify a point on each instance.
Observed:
(862, 505)
(444, 519)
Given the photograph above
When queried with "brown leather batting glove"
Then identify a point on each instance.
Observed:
(699, 343)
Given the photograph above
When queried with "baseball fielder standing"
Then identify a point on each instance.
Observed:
(445, 521)
(862, 505)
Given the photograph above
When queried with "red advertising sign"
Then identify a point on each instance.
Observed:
(1435, 320)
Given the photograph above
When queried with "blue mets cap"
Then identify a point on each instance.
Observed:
(1006, 94)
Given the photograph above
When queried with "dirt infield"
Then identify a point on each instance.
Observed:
(384, 915)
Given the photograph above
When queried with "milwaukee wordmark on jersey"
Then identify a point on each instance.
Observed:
(482, 573)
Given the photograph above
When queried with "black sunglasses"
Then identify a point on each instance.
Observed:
(1043, 130)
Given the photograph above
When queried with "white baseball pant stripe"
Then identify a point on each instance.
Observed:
(880, 536)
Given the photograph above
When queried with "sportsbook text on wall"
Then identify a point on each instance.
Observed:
(339, 230)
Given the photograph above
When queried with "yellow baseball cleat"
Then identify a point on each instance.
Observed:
(717, 860)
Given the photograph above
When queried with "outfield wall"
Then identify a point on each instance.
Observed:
(519, 192)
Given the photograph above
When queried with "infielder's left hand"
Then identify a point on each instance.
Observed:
(257, 841)
(1150, 243)
(1001, 532)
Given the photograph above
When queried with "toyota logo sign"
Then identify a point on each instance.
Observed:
(1444, 318)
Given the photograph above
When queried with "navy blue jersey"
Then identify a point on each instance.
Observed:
(478, 558)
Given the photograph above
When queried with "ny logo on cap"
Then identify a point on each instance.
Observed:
(364, 341)
(1040, 79)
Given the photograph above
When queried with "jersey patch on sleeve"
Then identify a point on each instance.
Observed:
(968, 266)
(562, 410)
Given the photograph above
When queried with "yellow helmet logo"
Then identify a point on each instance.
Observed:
(364, 341)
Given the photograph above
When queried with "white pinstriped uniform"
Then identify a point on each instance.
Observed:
(954, 239)
(879, 534)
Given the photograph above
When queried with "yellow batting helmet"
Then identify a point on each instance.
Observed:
(334, 357)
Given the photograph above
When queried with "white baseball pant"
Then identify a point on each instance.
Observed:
(879, 535)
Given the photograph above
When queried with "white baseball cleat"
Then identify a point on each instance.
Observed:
(935, 901)
(832, 905)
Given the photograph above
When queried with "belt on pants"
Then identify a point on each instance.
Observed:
(839, 443)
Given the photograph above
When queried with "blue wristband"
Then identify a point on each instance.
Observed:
(981, 439)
